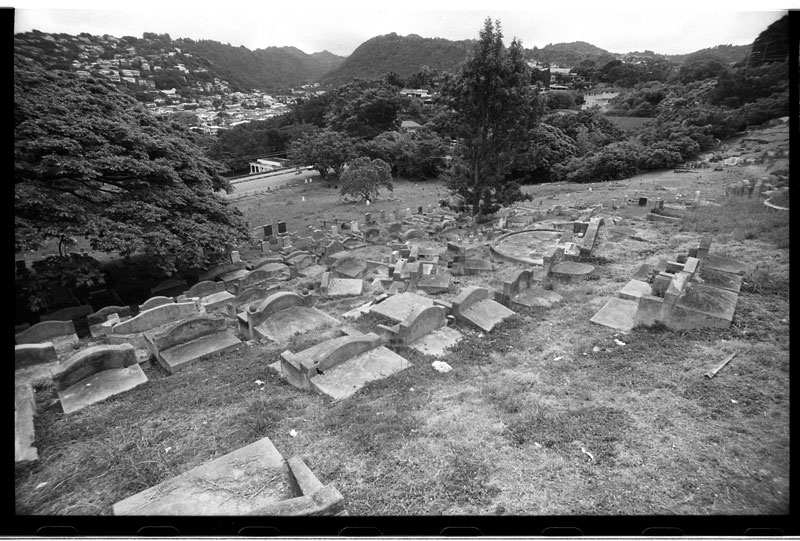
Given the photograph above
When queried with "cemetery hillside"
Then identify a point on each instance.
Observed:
(434, 278)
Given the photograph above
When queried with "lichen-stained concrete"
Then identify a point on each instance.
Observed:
(343, 380)
(398, 307)
(253, 480)
(100, 386)
(527, 247)
(617, 313)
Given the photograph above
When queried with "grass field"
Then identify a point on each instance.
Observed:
(548, 415)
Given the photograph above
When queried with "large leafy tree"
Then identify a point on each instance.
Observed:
(363, 108)
(493, 107)
(323, 150)
(91, 162)
(363, 178)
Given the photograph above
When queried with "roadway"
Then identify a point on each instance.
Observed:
(261, 181)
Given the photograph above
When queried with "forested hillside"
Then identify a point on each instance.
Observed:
(404, 55)
(266, 69)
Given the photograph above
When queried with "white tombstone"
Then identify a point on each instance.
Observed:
(354, 226)
(334, 230)
(235, 258)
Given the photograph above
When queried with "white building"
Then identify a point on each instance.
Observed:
(262, 165)
(598, 98)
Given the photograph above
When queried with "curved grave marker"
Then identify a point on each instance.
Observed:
(253, 480)
(153, 302)
(474, 306)
(59, 332)
(284, 314)
(96, 373)
(339, 367)
(191, 340)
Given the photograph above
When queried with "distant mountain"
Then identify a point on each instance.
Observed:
(404, 55)
(266, 69)
(726, 54)
(570, 55)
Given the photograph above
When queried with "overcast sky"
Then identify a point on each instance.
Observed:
(341, 26)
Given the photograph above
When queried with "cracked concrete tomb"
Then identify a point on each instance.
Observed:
(283, 315)
(96, 373)
(253, 480)
(339, 367)
(190, 340)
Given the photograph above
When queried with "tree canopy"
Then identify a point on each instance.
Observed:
(493, 107)
(363, 178)
(92, 162)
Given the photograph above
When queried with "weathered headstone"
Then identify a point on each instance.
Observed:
(268, 231)
(281, 228)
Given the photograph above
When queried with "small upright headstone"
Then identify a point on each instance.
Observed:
(419, 210)
(354, 226)
(642, 201)
(334, 230)
(383, 215)
(268, 231)
(281, 228)
(367, 218)
(235, 257)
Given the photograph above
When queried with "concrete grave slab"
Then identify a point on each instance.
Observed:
(191, 340)
(398, 307)
(349, 268)
(215, 272)
(720, 279)
(535, 296)
(253, 480)
(313, 271)
(635, 289)
(724, 264)
(474, 306)
(571, 271)
(97, 373)
(437, 342)
(434, 283)
(284, 324)
(48, 331)
(476, 266)
(345, 287)
(153, 302)
(617, 313)
(24, 410)
(26, 355)
(700, 305)
(347, 378)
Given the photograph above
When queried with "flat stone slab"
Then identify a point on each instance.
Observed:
(712, 301)
(486, 314)
(635, 289)
(437, 342)
(536, 296)
(617, 313)
(474, 266)
(240, 483)
(724, 264)
(720, 279)
(216, 300)
(345, 287)
(345, 379)
(435, 283)
(282, 325)
(313, 271)
(234, 276)
(572, 270)
(182, 355)
(527, 247)
(100, 386)
(398, 307)
(24, 410)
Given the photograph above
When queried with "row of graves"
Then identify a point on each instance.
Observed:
(398, 266)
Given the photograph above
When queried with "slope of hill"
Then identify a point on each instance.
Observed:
(266, 69)
(404, 55)
(726, 54)
(570, 54)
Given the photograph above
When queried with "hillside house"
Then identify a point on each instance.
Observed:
(409, 126)
(598, 98)
(262, 166)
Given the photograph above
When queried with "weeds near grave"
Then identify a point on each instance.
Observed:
(739, 218)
